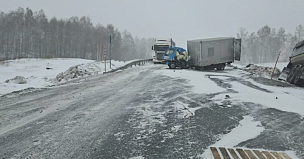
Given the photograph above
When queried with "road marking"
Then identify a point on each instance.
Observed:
(277, 155)
(268, 155)
(284, 155)
(224, 153)
(215, 153)
(227, 153)
(250, 154)
(242, 153)
(259, 154)
(233, 154)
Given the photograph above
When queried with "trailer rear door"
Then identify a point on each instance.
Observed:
(237, 49)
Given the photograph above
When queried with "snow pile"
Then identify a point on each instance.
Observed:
(261, 70)
(17, 80)
(78, 71)
(16, 75)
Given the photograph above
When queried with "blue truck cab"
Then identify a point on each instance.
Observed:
(170, 58)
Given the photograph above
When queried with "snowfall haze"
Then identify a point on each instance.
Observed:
(181, 20)
(84, 84)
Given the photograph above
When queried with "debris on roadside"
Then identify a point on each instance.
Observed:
(249, 65)
(261, 70)
(17, 80)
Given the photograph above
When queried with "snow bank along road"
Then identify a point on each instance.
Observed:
(153, 112)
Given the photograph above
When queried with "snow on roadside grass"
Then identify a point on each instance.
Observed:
(199, 82)
(37, 75)
(263, 69)
(280, 65)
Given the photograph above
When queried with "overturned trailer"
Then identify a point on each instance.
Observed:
(294, 72)
(213, 53)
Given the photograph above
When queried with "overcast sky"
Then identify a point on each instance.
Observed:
(180, 19)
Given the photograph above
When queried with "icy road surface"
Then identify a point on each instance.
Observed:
(153, 112)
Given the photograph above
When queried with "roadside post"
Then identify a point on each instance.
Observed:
(105, 60)
(110, 50)
(275, 65)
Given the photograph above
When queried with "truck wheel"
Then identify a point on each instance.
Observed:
(288, 79)
(220, 66)
(291, 76)
(172, 65)
(290, 65)
(298, 80)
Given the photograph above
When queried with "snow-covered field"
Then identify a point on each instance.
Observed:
(39, 73)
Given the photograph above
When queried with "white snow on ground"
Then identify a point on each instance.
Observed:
(185, 110)
(278, 99)
(263, 69)
(280, 65)
(201, 83)
(248, 129)
(36, 74)
(137, 157)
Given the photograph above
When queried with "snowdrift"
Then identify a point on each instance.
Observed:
(20, 74)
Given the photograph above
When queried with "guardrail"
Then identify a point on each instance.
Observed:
(134, 63)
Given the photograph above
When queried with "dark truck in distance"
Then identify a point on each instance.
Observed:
(204, 53)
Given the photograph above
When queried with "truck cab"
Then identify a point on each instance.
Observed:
(176, 57)
(160, 46)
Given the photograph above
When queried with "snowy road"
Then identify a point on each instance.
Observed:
(153, 112)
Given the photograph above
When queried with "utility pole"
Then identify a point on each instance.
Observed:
(105, 60)
(110, 51)
(97, 50)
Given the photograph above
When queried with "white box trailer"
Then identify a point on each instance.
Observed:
(214, 52)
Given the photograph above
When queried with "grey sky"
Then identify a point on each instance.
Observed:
(179, 19)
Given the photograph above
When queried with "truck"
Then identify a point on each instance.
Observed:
(176, 57)
(204, 53)
(295, 68)
(160, 46)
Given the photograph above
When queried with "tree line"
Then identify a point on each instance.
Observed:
(264, 45)
(28, 34)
